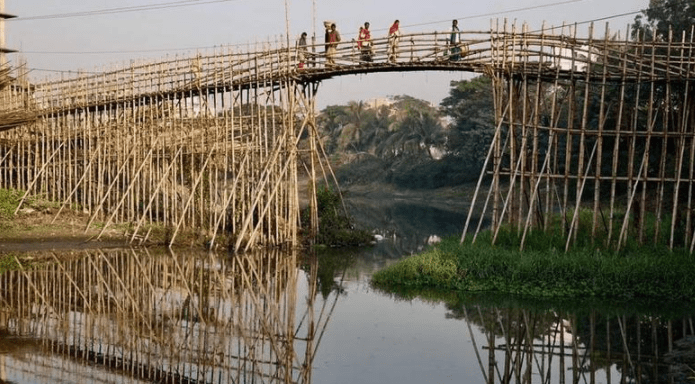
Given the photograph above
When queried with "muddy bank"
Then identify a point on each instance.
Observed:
(32, 230)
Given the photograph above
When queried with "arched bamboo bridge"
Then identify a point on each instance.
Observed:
(212, 141)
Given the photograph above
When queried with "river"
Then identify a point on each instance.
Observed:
(131, 316)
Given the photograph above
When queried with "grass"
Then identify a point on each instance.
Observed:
(543, 269)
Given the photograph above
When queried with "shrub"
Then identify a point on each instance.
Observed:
(9, 200)
(335, 226)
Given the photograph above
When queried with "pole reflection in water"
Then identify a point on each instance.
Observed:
(165, 318)
(527, 346)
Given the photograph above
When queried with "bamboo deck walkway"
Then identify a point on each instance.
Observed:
(211, 141)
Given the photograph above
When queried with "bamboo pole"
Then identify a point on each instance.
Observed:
(664, 149)
(490, 152)
(601, 122)
(616, 146)
(155, 194)
(84, 174)
(190, 198)
(215, 227)
(127, 192)
(106, 195)
(43, 167)
(680, 145)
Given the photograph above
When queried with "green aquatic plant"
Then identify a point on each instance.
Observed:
(434, 268)
(8, 263)
(544, 269)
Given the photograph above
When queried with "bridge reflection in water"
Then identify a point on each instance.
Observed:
(164, 318)
(131, 316)
(541, 346)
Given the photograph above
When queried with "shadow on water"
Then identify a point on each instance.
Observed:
(135, 316)
(524, 340)
(539, 341)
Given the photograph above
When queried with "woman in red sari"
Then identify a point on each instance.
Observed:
(394, 36)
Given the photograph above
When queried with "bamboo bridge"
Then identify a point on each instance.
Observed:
(218, 141)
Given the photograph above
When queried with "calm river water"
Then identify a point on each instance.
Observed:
(130, 316)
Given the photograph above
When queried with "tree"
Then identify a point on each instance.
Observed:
(470, 104)
(414, 130)
(662, 15)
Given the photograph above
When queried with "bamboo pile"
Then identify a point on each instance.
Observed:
(204, 143)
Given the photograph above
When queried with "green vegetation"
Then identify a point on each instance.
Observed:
(543, 269)
(9, 200)
(664, 17)
(335, 226)
(409, 143)
(8, 263)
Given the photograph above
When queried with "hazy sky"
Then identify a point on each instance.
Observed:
(102, 40)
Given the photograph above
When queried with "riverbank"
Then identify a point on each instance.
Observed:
(543, 269)
(36, 231)
(40, 226)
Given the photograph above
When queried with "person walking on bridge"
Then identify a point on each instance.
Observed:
(454, 42)
(364, 43)
(302, 51)
(332, 46)
(394, 36)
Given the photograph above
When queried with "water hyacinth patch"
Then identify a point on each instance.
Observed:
(545, 270)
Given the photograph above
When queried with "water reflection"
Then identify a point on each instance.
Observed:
(133, 316)
(165, 318)
(590, 344)
(407, 225)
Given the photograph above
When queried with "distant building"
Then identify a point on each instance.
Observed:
(379, 102)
